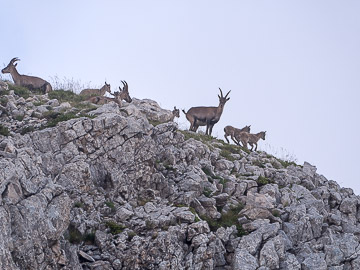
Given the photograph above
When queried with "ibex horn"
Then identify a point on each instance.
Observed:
(227, 94)
(14, 60)
(221, 92)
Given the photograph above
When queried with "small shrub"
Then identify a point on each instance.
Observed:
(114, 227)
(4, 130)
(55, 118)
(38, 103)
(262, 180)
(3, 101)
(27, 130)
(258, 163)
(223, 181)
(286, 164)
(78, 205)
(207, 171)
(111, 205)
(89, 238)
(19, 118)
(276, 213)
(131, 235)
(227, 155)
(155, 123)
(227, 220)
(207, 192)
(73, 235)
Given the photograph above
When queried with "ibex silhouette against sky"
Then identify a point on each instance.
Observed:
(209, 116)
(29, 82)
(96, 92)
(118, 96)
(175, 113)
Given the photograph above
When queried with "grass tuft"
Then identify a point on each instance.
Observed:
(114, 227)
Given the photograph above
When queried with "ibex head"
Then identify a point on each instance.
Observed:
(107, 87)
(10, 67)
(222, 99)
(124, 92)
(176, 112)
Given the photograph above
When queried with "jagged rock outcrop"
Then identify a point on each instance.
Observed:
(116, 192)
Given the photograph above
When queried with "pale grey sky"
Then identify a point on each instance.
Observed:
(293, 67)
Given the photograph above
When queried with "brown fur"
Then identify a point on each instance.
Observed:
(231, 131)
(248, 138)
(118, 96)
(175, 113)
(30, 82)
(96, 92)
(209, 116)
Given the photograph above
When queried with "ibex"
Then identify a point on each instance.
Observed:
(96, 92)
(175, 113)
(209, 116)
(247, 138)
(29, 82)
(231, 131)
(118, 96)
(124, 93)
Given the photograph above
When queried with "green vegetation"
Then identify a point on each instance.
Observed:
(38, 103)
(276, 213)
(66, 96)
(73, 235)
(207, 192)
(211, 176)
(27, 130)
(3, 101)
(110, 204)
(89, 238)
(131, 235)
(75, 100)
(20, 90)
(262, 181)
(196, 136)
(286, 164)
(4, 130)
(227, 220)
(258, 163)
(79, 205)
(114, 227)
(19, 118)
(155, 123)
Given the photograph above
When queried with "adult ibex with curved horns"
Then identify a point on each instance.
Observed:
(209, 116)
(30, 82)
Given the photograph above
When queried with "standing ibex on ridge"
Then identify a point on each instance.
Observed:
(30, 82)
(248, 138)
(96, 92)
(209, 116)
(231, 131)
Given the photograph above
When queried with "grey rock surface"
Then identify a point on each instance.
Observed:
(117, 191)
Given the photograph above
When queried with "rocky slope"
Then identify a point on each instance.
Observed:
(116, 192)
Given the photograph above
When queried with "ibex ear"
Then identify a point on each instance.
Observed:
(15, 65)
(227, 99)
(219, 96)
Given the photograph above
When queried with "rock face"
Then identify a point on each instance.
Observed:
(115, 192)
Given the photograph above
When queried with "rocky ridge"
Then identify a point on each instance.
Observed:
(116, 192)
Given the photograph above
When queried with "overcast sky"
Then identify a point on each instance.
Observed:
(293, 66)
